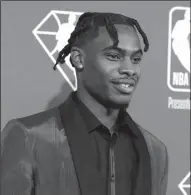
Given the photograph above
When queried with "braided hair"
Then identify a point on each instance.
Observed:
(90, 21)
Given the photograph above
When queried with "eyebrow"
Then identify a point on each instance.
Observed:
(122, 50)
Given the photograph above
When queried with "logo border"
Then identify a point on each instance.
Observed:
(169, 50)
(36, 32)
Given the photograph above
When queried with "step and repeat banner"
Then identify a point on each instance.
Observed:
(32, 34)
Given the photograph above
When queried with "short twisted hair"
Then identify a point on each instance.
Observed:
(90, 21)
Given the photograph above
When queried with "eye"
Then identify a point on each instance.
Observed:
(113, 56)
(136, 60)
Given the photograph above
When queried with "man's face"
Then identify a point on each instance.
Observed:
(111, 74)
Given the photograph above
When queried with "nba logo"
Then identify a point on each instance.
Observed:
(178, 67)
(53, 33)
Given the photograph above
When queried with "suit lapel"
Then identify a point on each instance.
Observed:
(143, 183)
(81, 149)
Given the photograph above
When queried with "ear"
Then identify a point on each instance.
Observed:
(77, 58)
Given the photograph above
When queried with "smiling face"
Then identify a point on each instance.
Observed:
(110, 75)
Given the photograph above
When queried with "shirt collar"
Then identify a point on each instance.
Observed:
(92, 122)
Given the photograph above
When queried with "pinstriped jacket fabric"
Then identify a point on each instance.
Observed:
(41, 155)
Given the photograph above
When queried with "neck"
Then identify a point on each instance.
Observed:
(106, 116)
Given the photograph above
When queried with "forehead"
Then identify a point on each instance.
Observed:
(127, 36)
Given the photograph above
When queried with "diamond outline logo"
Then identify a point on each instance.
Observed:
(169, 50)
(36, 32)
(182, 184)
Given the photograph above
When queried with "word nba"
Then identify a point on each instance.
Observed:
(180, 79)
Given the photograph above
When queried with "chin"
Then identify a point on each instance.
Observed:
(118, 101)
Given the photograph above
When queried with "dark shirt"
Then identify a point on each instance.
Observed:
(117, 160)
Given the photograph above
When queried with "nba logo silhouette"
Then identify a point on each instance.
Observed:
(53, 33)
(178, 71)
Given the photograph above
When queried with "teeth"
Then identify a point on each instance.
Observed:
(125, 85)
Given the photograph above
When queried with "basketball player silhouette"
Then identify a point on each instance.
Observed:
(180, 43)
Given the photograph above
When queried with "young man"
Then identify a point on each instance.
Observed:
(89, 145)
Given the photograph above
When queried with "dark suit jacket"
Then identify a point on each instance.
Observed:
(44, 154)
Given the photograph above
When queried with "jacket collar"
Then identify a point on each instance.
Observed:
(90, 181)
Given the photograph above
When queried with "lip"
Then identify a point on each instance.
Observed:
(123, 90)
(124, 81)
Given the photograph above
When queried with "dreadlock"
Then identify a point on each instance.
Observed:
(90, 21)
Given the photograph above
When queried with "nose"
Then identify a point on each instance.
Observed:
(127, 67)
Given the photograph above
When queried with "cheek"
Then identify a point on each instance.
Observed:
(138, 72)
(97, 70)
(138, 69)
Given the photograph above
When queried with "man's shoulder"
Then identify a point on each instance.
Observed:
(36, 119)
(39, 118)
(152, 140)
